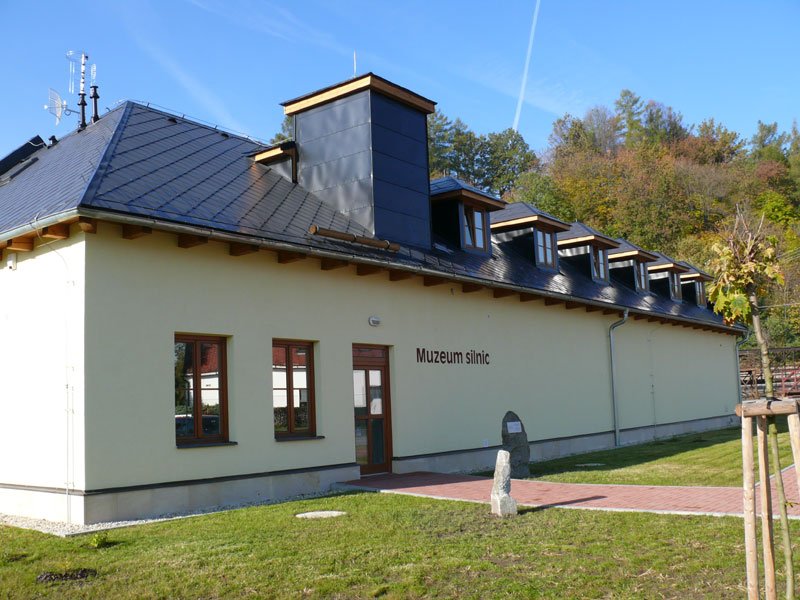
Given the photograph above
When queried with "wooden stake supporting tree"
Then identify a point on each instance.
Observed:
(764, 413)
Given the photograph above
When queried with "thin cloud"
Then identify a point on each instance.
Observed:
(199, 92)
(272, 20)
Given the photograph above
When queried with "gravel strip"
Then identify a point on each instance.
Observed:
(63, 529)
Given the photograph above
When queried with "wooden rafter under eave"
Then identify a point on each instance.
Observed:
(237, 249)
(59, 231)
(189, 240)
(20, 244)
(132, 232)
(87, 225)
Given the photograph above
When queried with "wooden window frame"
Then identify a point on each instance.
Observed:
(469, 224)
(540, 250)
(199, 438)
(311, 432)
(599, 263)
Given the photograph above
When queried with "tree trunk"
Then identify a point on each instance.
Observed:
(763, 347)
(787, 541)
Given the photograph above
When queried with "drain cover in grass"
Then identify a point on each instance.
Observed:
(321, 514)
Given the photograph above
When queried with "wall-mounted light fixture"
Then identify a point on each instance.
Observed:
(374, 321)
(11, 261)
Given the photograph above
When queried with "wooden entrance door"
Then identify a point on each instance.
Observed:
(372, 409)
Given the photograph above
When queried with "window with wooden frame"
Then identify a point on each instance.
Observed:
(599, 257)
(201, 397)
(641, 276)
(545, 252)
(293, 388)
(474, 228)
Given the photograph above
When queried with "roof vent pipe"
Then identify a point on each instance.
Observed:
(95, 97)
(614, 375)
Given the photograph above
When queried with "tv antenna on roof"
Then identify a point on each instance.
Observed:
(57, 106)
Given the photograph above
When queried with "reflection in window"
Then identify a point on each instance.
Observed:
(292, 378)
(474, 228)
(545, 248)
(200, 389)
(599, 264)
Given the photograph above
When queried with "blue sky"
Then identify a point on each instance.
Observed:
(231, 62)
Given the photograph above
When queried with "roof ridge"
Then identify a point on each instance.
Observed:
(103, 163)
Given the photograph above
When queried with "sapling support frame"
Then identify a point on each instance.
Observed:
(759, 412)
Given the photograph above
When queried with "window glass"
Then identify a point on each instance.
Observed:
(200, 394)
(479, 235)
(474, 228)
(375, 393)
(469, 226)
(293, 388)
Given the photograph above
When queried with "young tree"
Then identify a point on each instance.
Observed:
(746, 265)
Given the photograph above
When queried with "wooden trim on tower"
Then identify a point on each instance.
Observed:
(369, 81)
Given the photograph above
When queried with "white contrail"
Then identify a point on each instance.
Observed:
(527, 65)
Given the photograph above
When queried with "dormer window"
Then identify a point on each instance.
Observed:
(675, 286)
(599, 264)
(474, 234)
(545, 253)
(641, 277)
(460, 215)
(700, 294)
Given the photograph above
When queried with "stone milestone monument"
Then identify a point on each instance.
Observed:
(503, 505)
(515, 442)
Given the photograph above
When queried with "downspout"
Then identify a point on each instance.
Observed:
(614, 374)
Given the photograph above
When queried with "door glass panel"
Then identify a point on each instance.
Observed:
(361, 443)
(375, 393)
(378, 454)
(360, 392)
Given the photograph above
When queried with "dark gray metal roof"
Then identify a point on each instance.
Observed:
(579, 230)
(519, 210)
(452, 184)
(142, 162)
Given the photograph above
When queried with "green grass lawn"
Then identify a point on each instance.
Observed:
(712, 458)
(394, 547)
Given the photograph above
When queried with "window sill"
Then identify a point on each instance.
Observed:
(298, 438)
(205, 445)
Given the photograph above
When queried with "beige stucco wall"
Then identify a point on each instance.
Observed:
(41, 370)
(548, 364)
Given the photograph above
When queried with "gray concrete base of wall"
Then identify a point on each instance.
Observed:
(484, 458)
(169, 499)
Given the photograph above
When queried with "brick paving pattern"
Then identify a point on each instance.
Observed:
(718, 501)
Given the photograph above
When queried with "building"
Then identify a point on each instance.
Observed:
(317, 310)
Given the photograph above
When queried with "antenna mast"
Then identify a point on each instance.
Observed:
(82, 92)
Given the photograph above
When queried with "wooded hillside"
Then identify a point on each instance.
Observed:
(637, 170)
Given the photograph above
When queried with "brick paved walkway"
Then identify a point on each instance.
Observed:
(716, 501)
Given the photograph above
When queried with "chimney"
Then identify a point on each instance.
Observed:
(95, 97)
(362, 148)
